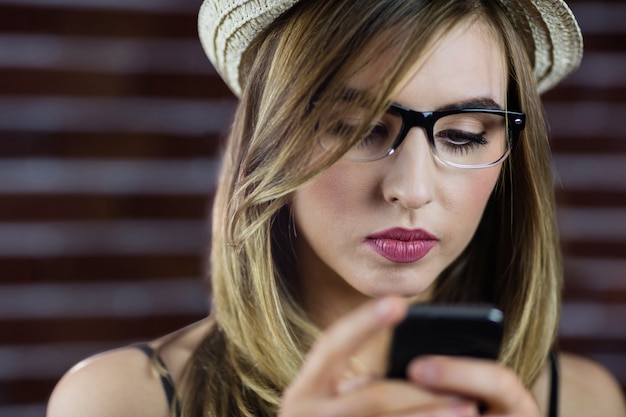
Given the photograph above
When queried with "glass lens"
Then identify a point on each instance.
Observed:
(470, 138)
(467, 139)
(377, 139)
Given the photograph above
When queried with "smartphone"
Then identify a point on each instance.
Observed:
(438, 329)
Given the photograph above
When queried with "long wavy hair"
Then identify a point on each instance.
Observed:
(261, 331)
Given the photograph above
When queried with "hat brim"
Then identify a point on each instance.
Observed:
(226, 28)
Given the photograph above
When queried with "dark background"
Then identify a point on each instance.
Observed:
(111, 120)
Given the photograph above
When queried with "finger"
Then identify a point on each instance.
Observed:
(389, 397)
(332, 352)
(498, 387)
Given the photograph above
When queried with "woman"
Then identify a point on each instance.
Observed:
(383, 153)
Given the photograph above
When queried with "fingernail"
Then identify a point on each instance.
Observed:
(424, 371)
(383, 308)
(468, 410)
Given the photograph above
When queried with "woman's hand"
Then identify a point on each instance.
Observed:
(321, 388)
(436, 387)
(496, 387)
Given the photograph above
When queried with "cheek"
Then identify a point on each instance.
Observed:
(333, 193)
(470, 194)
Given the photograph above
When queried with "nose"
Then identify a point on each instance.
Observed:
(410, 180)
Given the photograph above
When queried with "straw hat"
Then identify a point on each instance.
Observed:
(227, 27)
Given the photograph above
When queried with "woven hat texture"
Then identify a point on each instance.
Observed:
(227, 27)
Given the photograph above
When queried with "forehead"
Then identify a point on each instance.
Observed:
(464, 62)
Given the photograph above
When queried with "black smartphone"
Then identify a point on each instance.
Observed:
(438, 329)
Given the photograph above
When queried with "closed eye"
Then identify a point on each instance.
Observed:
(457, 140)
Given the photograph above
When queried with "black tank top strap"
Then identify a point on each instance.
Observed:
(166, 379)
(553, 405)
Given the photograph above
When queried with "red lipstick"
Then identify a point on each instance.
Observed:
(402, 245)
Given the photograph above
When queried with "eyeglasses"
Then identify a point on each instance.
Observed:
(462, 138)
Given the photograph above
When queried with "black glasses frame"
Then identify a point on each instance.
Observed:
(516, 122)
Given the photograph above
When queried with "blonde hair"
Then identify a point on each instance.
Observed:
(293, 72)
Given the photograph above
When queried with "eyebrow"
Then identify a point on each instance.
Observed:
(351, 95)
(486, 103)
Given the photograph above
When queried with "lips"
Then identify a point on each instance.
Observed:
(402, 245)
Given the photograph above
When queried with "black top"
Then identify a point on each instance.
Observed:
(553, 406)
(166, 380)
(172, 401)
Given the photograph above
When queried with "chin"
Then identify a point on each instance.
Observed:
(409, 292)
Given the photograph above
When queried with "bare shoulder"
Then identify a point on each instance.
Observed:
(588, 389)
(124, 382)
(116, 383)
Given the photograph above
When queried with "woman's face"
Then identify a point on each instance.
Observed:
(391, 226)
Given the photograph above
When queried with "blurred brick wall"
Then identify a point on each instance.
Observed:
(111, 123)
